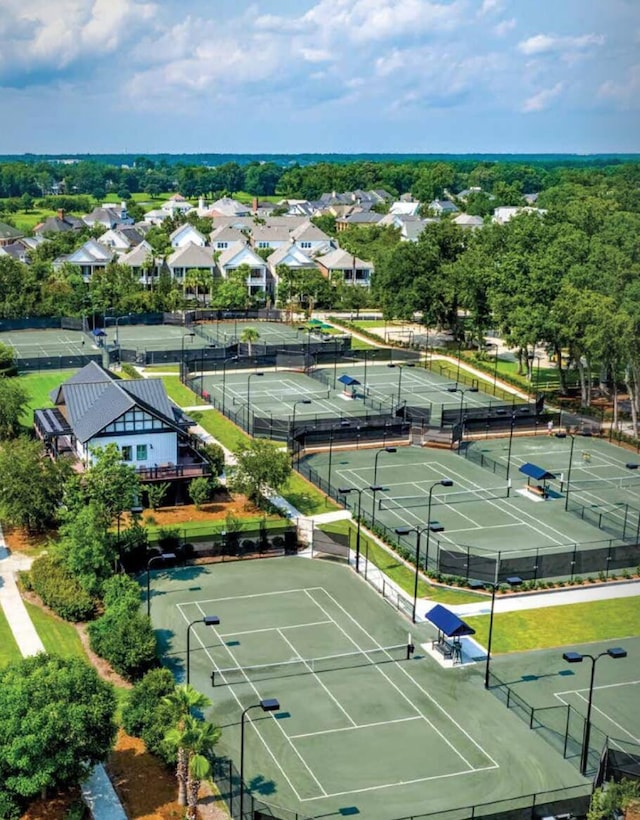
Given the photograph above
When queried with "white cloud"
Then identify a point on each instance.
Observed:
(542, 100)
(625, 93)
(38, 35)
(504, 27)
(548, 43)
(491, 7)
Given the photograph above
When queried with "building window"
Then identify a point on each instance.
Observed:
(141, 452)
(222, 245)
(264, 245)
(305, 245)
(125, 452)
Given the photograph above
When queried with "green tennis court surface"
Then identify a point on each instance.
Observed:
(153, 337)
(559, 694)
(475, 512)
(385, 739)
(34, 343)
(269, 333)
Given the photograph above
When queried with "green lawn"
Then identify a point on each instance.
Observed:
(360, 344)
(8, 647)
(58, 637)
(560, 625)
(402, 575)
(367, 323)
(182, 396)
(27, 222)
(222, 429)
(39, 386)
(193, 528)
(162, 368)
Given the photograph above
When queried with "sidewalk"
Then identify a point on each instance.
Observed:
(97, 790)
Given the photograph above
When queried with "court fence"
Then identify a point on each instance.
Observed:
(570, 801)
(620, 759)
(34, 364)
(562, 726)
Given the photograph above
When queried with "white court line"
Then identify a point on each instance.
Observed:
(273, 628)
(394, 685)
(245, 597)
(253, 725)
(317, 679)
(596, 688)
(601, 711)
(356, 726)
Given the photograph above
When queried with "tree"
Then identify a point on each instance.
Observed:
(215, 456)
(248, 336)
(260, 469)
(156, 493)
(86, 549)
(182, 701)
(7, 356)
(615, 797)
(31, 484)
(201, 737)
(57, 723)
(199, 491)
(14, 399)
(146, 714)
(109, 483)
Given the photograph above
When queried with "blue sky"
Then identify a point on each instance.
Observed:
(320, 76)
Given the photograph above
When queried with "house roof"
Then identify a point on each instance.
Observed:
(290, 255)
(468, 221)
(339, 259)
(362, 218)
(9, 232)
(94, 399)
(186, 228)
(239, 249)
(270, 233)
(229, 207)
(54, 224)
(91, 251)
(137, 256)
(308, 232)
(227, 233)
(191, 256)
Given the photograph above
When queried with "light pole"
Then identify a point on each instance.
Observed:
(375, 461)
(165, 556)
(348, 491)
(249, 377)
(208, 620)
(513, 581)
(616, 653)
(462, 392)
(375, 488)
(224, 377)
(183, 372)
(495, 365)
(126, 316)
(568, 487)
(400, 369)
(344, 423)
(445, 482)
(513, 421)
(293, 419)
(268, 705)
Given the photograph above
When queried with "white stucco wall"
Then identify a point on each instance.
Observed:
(162, 448)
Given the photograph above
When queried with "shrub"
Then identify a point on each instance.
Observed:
(125, 639)
(146, 716)
(169, 538)
(156, 493)
(130, 371)
(59, 590)
(199, 491)
(215, 456)
(121, 591)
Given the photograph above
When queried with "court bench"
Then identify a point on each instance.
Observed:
(537, 490)
(450, 650)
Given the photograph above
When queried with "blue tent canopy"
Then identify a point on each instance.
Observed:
(98, 332)
(448, 622)
(535, 472)
(348, 381)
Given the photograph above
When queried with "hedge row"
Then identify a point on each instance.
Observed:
(59, 590)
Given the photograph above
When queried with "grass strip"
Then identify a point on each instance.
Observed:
(9, 650)
(397, 571)
(180, 394)
(58, 637)
(39, 385)
(570, 624)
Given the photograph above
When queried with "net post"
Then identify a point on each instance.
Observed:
(213, 678)
(410, 647)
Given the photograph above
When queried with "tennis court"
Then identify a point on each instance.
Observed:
(369, 733)
(559, 692)
(269, 333)
(35, 343)
(152, 337)
(480, 511)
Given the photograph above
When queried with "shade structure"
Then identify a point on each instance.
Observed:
(448, 622)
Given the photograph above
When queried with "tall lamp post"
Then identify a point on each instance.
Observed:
(616, 653)
(293, 418)
(267, 705)
(513, 581)
(348, 491)
(462, 392)
(224, 378)
(183, 371)
(126, 316)
(165, 556)
(495, 364)
(445, 482)
(513, 421)
(375, 461)
(208, 620)
(568, 487)
(375, 488)
(400, 369)
(249, 377)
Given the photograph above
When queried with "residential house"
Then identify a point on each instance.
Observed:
(176, 204)
(358, 219)
(9, 234)
(410, 227)
(187, 235)
(190, 258)
(225, 236)
(228, 207)
(505, 213)
(22, 248)
(60, 223)
(259, 279)
(90, 257)
(442, 207)
(340, 264)
(300, 207)
(121, 239)
(468, 221)
(109, 215)
(269, 236)
(404, 208)
(93, 409)
(143, 264)
(291, 256)
(310, 239)
(156, 216)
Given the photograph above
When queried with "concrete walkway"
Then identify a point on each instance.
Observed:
(97, 790)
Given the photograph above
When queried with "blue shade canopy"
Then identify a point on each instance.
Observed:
(448, 622)
(535, 472)
(98, 332)
(348, 381)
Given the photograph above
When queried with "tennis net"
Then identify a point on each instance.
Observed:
(405, 501)
(619, 482)
(282, 395)
(311, 666)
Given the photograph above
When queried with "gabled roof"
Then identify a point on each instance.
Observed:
(93, 399)
(448, 622)
(227, 233)
(91, 252)
(229, 207)
(186, 228)
(339, 259)
(9, 232)
(191, 256)
(308, 232)
(270, 233)
(290, 255)
(137, 256)
(236, 250)
(55, 224)
(362, 218)
(535, 472)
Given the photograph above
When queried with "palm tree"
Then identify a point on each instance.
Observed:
(182, 700)
(200, 739)
(249, 335)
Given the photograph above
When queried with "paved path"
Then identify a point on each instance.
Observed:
(97, 790)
